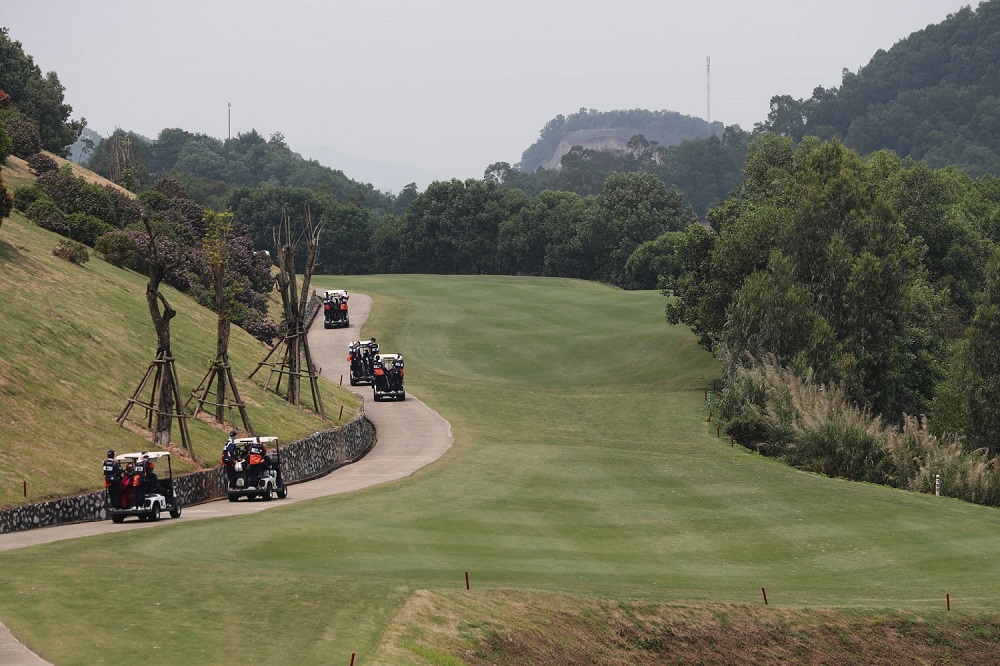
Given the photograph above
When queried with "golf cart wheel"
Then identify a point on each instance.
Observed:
(378, 398)
(282, 492)
(175, 510)
(117, 518)
(402, 396)
(266, 495)
(155, 515)
(354, 382)
(234, 498)
(143, 517)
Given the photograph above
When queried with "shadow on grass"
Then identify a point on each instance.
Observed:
(8, 252)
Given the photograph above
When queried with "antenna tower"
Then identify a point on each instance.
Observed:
(708, 73)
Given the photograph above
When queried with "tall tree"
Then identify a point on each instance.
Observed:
(640, 207)
(217, 256)
(165, 402)
(984, 349)
(38, 97)
(295, 342)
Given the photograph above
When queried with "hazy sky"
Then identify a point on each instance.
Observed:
(444, 86)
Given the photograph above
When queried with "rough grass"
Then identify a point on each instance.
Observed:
(75, 341)
(513, 628)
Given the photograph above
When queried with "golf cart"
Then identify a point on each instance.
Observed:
(361, 356)
(335, 309)
(157, 494)
(387, 379)
(270, 482)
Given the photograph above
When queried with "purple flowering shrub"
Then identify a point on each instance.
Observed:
(62, 186)
(40, 163)
(127, 211)
(23, 132)
(45, 213)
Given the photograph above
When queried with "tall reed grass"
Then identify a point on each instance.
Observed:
(814, 426)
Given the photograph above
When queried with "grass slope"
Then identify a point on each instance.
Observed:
(585, 495)
(75, 341)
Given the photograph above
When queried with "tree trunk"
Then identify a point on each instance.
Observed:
(221, 348)
(165, 388)
(161, 322)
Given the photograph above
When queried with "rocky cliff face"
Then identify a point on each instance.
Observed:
(604, 143)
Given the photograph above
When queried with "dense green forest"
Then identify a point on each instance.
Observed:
(848, 284)
(847, 297)
(211, 168)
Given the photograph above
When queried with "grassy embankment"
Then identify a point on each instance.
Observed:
(75, 341)
(598, 516)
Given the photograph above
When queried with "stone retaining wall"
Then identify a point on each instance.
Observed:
(310, 457)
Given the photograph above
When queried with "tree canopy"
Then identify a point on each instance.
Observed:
(37, 96)
(933, 96)
(858, 271)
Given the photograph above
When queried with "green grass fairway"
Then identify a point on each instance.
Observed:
(583, 467)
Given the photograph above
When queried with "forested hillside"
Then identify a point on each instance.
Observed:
(934, 96)
(211, 168)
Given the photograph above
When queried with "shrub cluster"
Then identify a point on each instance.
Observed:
(6, 201)
(73, 251)
(23, 132)
(68, 205)
(45, 213)
(815, 427)
(25, 196)
(40, 163)
(5, 144)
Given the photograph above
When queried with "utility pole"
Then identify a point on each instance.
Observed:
(708, 73)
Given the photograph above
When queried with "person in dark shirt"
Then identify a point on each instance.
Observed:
(113, 480)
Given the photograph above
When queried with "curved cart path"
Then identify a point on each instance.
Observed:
(409, 435)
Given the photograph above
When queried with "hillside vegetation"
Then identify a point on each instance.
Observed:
(76, 341)
(933, 96)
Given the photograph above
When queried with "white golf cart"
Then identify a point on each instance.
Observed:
(157, 496)
(335, 313)
(387, 378)
(270, 482)
(361, 356)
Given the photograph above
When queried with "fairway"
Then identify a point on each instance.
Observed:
(582, 466)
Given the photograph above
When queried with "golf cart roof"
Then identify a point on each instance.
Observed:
(334, 293)
(151, 455)
(390, 357)
(250, 440)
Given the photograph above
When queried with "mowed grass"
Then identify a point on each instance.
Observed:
(583, 468)
(75, 341)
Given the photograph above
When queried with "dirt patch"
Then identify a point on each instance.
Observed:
(505, 628)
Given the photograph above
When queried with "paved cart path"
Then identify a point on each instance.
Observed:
(409, 435)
